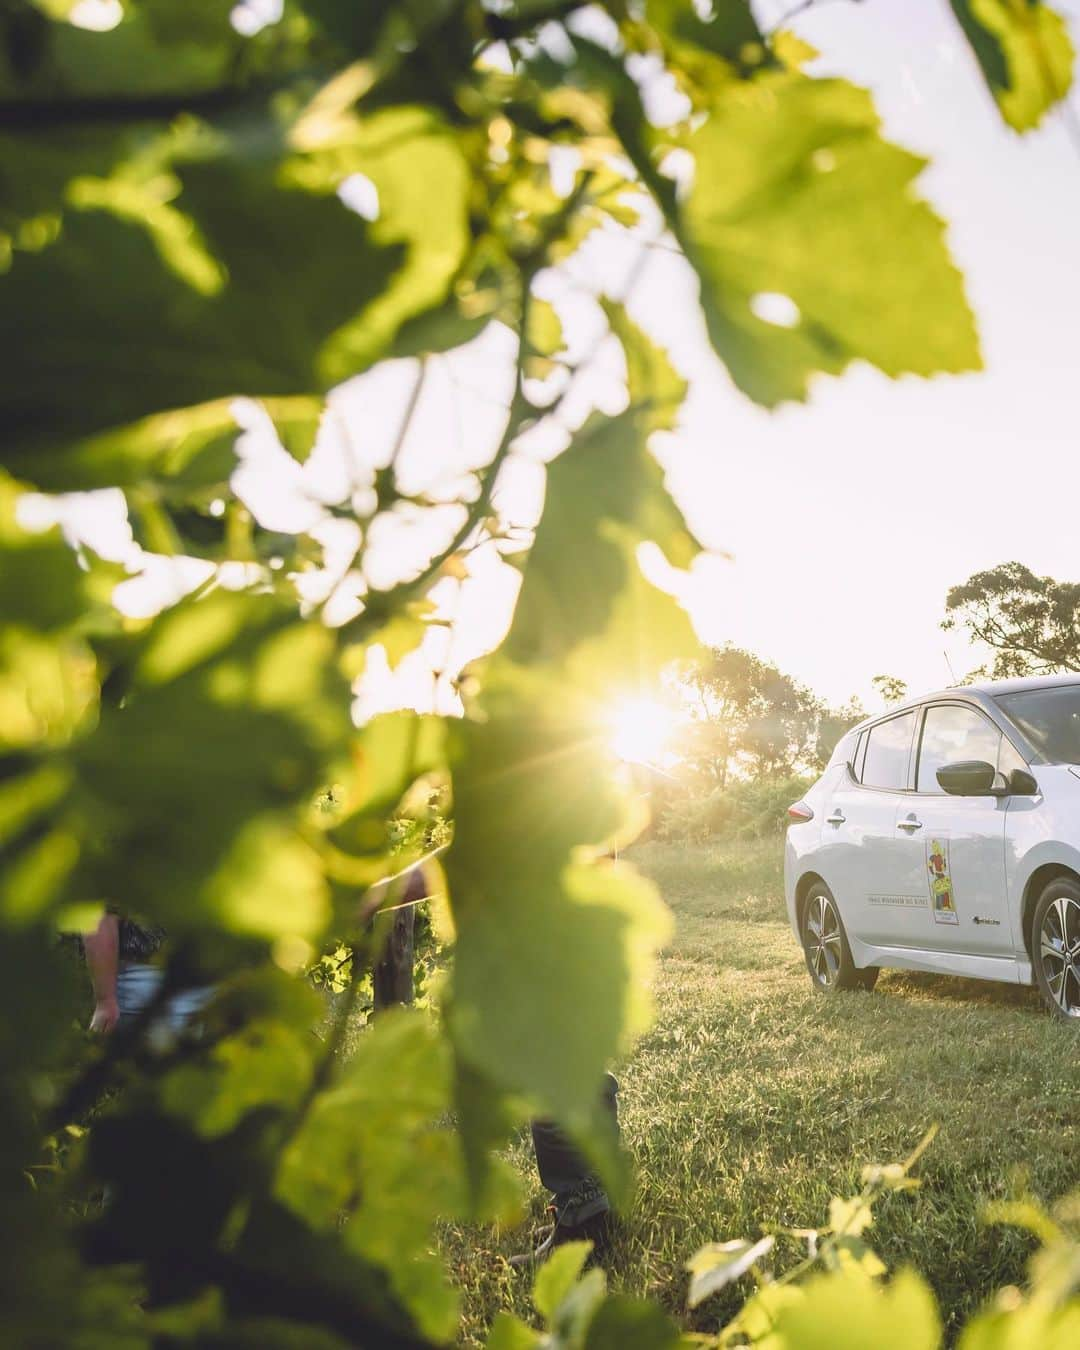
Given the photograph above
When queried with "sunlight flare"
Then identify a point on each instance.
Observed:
(641, 730)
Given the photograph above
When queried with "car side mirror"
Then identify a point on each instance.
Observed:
(1022, 784)
(972, 778)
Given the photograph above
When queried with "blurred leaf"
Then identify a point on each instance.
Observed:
(402, 635)
(791, 175)
(590, 930)
(1024, 1327)
(264, 1064)
(729, 29)
(369, 1147)
(406, 158)
(296, 421)
(233, 718)
(1024, 1213)
(189, 448)
(509, 1333)
(655, 387)
(850, 1217)
(851, 1253)
(487, 1120)
(41, 584)
(545, 339)
(545, 334)
(623, 1323)
(850, 1312)
(363, 28)
(575, 1312)
(389, 754)
(47, 689)
(721, 1263)
(604, 494)
(265, 332)
(142, 55)
(557, 1275)
(1025, 53)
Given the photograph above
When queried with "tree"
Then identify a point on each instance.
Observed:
(1031, 623)
(833, 724)
(747, 717)
(891, 688)
(191, 213)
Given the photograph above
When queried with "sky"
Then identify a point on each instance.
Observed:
(838, 526)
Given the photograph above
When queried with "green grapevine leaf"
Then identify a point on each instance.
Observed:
(369, 1147)
(655, 387)
(720, 1263)
(510, 1333)
(234, 694)
(849, 1312)
(410, 158)
(813, 251)
(623, 1323)
(265, 1064)
(557, 1276)
(605, 495)
(589, 930)
(729, 31)
(1025, 53)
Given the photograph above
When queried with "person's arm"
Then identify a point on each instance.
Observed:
(102, 948)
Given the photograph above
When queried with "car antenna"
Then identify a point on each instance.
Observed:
(952, 673)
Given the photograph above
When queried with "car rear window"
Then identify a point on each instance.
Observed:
(888, 748)
(1049, 718)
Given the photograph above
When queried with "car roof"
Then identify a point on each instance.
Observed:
(981, 692)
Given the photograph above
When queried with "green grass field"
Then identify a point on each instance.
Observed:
(753, 1100)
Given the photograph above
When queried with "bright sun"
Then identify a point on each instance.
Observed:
(640, 730)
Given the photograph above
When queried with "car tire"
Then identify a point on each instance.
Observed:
(1055, 947)
(825, 945)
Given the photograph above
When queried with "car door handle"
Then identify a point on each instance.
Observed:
(837, 818)
(910, 824)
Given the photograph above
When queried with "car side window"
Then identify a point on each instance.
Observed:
(952, 732)
(888, 749)
(856, 759)
(1009, 758)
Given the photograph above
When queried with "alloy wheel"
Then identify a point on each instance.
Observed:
(823, 944)
(1059, 952)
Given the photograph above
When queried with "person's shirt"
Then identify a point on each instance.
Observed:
(136, 941)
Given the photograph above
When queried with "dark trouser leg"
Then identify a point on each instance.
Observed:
(576, 1188)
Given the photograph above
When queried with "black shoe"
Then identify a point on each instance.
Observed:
(582, 1214)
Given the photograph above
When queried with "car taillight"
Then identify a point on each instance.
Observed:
(800, 813)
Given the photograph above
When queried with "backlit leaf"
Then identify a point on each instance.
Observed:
(604, 495)
(590, 930)
(850, 1217)
(510, 1333)
(1025, 53)
(632, 1323)
(720, 1263)
(235, 695)
(850, 1312)
(791, 176)
(557, 1275)
(369, 1147)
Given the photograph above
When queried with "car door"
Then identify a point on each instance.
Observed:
(861, 852)
(954, 847)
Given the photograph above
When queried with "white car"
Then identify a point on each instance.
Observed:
(945, 836)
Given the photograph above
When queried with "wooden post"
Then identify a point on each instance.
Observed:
(392, 977)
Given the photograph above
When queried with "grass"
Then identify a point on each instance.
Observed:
(753, 1100)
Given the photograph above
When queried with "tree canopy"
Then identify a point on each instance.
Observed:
(1030, 623)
